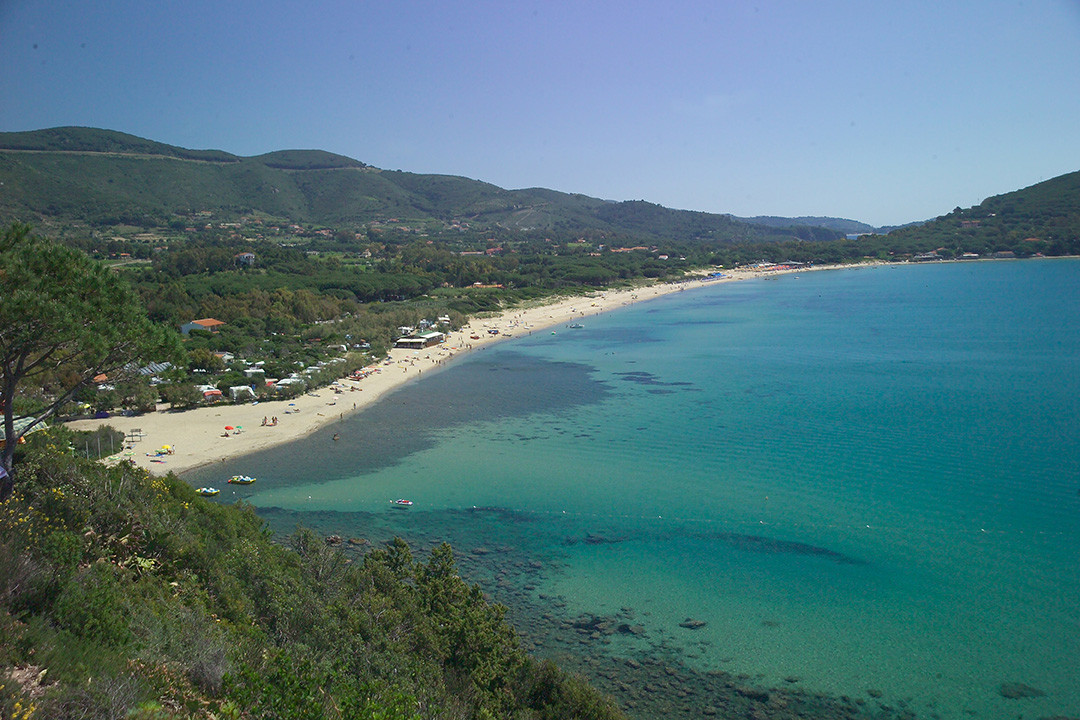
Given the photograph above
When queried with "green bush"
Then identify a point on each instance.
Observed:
(90, 606)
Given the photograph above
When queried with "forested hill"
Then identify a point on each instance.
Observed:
(838, 224)
(102, 177)
(1043, 218)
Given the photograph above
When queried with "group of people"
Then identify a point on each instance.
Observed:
(271, 423)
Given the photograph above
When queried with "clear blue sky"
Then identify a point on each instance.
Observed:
(884, 111)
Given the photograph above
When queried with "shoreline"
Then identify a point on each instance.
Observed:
(197, 436)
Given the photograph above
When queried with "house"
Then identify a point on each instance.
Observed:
(245, 258)
(209, 324)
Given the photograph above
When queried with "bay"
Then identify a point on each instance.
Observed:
(863, 482)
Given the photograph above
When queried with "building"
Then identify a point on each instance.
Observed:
(421, 341)
(209, 324)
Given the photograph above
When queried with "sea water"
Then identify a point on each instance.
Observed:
(863, 480)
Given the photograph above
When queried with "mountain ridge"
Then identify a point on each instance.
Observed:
(106, 177)
(102, 176)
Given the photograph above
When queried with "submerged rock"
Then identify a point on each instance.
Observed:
(692, 624)
(1019, 690)
(752, 693)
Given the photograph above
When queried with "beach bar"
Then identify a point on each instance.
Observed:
(421, 341)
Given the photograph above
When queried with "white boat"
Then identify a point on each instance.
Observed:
(401, 503)
(208, 491)
(241, 480)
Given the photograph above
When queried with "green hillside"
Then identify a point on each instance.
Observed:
(103, 178)
(1043, 218)
(123, 595)
(839, 224)
(93, 140)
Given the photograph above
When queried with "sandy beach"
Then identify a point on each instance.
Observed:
(198, 436)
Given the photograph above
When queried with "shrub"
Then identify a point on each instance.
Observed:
(91, 607)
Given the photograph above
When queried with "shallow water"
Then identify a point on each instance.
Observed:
(862, 479)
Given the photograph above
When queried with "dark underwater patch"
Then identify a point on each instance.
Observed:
(762, 544)
(485, 389)
(639, 377)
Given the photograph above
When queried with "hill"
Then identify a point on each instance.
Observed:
(848, 227)
(92, 140)
(103, 177)
(1040, 219)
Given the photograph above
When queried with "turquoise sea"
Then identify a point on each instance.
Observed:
(864, 482)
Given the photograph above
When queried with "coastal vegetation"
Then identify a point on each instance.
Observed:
(64, 319)
(124, 595)
(313, 264)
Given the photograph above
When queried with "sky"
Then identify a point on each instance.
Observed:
(883, 111)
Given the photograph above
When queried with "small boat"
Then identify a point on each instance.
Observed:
(576, 325)
(208, 491)
(401, 503)
(241, 480)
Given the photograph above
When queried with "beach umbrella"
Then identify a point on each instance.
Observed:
(229, 427)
